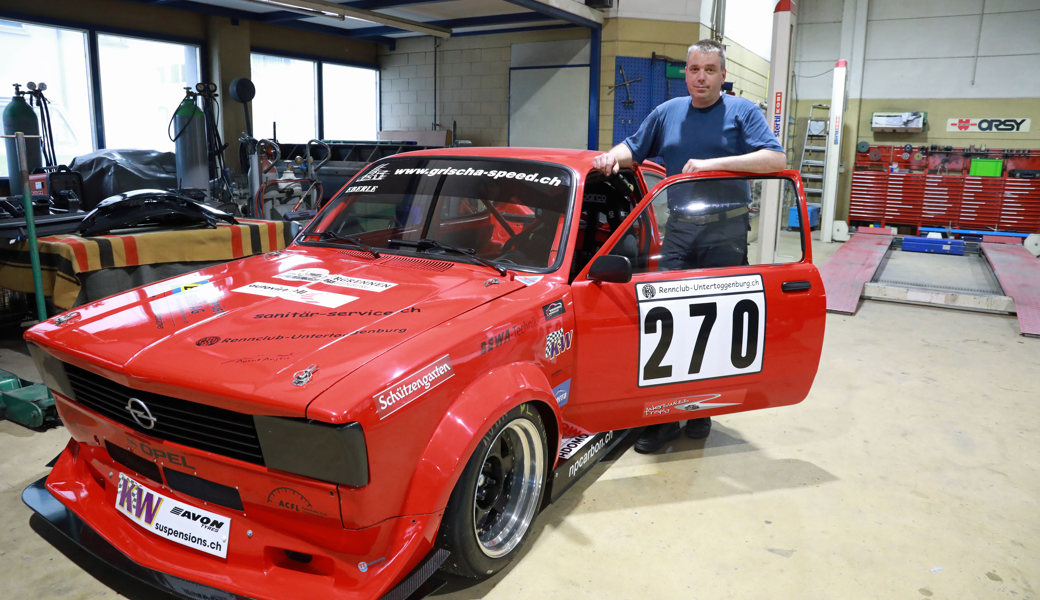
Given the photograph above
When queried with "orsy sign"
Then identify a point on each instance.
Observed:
(975, 125)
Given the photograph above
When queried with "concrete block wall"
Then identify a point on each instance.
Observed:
(956, 59)
(642, 38)
(472, 75)
(471, 87)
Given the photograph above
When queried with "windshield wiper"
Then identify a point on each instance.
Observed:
(332, 236)
(424, 244)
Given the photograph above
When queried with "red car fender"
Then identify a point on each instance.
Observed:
(471, 416)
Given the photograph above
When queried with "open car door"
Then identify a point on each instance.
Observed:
(657, 344)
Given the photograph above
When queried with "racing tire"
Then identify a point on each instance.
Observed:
(492, 507)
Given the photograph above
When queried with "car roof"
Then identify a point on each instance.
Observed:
(579, 160)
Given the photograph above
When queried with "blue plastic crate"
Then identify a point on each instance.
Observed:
(933, 245)
(814, 216)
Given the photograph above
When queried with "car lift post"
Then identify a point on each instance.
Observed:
(770, 209)
(832, 157)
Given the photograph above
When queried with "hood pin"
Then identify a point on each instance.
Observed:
(300, 378)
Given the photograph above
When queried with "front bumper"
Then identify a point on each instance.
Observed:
(66, 522)
(77, 508)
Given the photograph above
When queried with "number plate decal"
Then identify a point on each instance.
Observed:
(693, 329)
(173, 520)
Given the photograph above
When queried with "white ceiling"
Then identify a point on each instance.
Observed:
(388, 20)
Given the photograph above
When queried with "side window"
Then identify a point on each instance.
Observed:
(605, 203)
(705, 223)
(652, 178)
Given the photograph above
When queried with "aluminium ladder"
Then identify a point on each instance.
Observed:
(814, 150)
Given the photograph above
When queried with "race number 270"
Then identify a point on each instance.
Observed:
(701, 337)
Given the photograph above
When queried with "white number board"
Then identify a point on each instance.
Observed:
(692, 329)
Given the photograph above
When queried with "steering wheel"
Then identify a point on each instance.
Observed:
(513, 243)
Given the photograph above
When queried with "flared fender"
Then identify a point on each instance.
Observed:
(471, 416)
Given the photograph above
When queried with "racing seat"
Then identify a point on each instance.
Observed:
(604, 205)
(628, 247)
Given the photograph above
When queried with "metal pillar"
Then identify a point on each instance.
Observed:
(30, 226)
(833, 155)
(770, 211)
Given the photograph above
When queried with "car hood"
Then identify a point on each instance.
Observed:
(266, 334)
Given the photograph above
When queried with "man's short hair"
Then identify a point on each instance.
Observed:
(709, 46)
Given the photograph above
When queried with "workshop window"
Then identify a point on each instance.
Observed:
(285, 107)
(56, 56)
(299, 100)
(142, 82)
(350, 102)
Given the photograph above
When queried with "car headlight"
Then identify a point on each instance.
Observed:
(52, 371)
(334, 453)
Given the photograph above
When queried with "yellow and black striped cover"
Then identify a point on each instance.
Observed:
(64, 257)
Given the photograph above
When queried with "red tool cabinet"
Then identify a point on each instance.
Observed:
(922, 187)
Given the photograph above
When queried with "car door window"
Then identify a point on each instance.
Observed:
(694, 223)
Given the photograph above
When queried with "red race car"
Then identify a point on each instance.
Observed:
(452, 341)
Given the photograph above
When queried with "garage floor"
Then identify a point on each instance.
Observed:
(911, 471)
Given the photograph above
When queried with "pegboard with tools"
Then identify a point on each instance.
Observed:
(640, 84)
(1017, 163)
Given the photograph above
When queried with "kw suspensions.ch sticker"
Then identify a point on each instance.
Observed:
(692, 329)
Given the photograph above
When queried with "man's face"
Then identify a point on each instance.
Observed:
(704, 78)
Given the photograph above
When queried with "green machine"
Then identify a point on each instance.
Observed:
(26, 403)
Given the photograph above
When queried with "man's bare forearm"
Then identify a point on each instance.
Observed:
(612, 160)
(759, 161)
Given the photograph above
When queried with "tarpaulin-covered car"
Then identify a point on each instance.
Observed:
(455, 338)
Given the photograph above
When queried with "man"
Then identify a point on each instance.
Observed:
(709, 131)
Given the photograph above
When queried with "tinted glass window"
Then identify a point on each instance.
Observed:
(705, 223)
(506, 211)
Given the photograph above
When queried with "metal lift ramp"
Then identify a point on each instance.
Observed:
(851, 267)
(991, 277)
(1019, 274)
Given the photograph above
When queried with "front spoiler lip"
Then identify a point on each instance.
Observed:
(417, 584)
(37, 497)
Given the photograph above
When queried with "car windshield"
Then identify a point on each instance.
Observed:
(500, 212)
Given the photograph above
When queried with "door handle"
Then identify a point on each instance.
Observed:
(795, 286)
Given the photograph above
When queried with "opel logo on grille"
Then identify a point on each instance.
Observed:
(140, 413)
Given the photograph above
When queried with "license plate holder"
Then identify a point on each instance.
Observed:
(172, 519)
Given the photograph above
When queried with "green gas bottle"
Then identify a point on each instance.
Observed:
(192, 160)
(19, 116)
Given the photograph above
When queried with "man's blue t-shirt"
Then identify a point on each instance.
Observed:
(676, 131)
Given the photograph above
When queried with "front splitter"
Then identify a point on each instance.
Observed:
(418, 584)
(37, 497)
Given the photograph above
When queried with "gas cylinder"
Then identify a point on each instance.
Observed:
(19, 116)
(189, 123)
